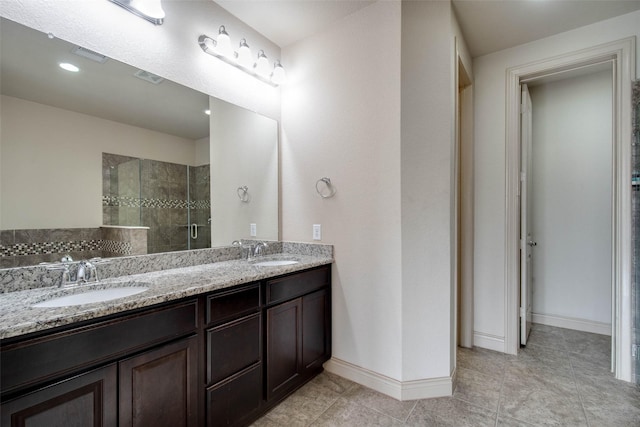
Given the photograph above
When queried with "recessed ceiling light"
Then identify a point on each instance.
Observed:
(69, 67)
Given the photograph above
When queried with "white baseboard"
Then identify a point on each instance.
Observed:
(400, 390)
(490, 342)
(570, 323)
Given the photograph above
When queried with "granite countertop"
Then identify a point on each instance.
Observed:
(18, 317)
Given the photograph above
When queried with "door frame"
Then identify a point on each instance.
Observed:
(463, 199)
(622, 53)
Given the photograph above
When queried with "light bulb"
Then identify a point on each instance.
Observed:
(278, 76)
(244, 55)
(223, 43)
(69, 67)
(262, 65)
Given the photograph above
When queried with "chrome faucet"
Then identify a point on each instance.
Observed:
(85, 272)
(259, 248)
(249, 250)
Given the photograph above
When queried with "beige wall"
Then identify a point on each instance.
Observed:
(52, 163)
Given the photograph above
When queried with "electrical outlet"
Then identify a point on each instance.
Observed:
(317, 232)
(253, 230)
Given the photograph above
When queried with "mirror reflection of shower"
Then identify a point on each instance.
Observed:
(172, 200)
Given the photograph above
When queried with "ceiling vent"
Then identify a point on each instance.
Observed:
(149, 77)
(89, 54)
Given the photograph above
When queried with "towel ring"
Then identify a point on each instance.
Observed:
(329, 186)
(243, 194)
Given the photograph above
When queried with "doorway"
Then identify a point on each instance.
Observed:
(566, 200)
(622, 54)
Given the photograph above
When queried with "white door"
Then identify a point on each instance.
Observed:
(526, 240)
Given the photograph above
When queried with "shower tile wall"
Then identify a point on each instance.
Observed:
(164, 205)
(158, 195)
(635, 203)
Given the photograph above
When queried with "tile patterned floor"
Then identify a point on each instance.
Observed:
(561, 378)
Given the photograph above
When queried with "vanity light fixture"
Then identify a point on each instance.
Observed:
(151, 10)
(242, 58)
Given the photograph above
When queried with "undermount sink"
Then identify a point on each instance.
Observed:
(89, 297)
(275, 263)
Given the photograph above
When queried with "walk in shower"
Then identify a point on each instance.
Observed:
(172, 200)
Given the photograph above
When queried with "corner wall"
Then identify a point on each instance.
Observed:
(380, 124)
(427, 125)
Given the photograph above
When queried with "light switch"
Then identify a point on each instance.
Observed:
(253, 230)
(317, 232)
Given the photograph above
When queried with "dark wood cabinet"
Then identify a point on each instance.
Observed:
(234, 356)
(160, 386)
(218, 359)
(122, 370)
(284, 342)
(86, 400)
(298, 331)
(316, 330)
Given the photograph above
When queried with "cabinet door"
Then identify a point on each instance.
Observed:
(160, 387)
(316, 327)
(284, 344)
(87, 400)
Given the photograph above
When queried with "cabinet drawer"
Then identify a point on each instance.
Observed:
(228, 305)
(292, 286)
(235, 402)
(232, 347)
(41, 359)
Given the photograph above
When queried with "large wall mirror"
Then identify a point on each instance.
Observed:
(112, 160)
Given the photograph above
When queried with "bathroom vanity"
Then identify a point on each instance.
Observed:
(218, 353)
